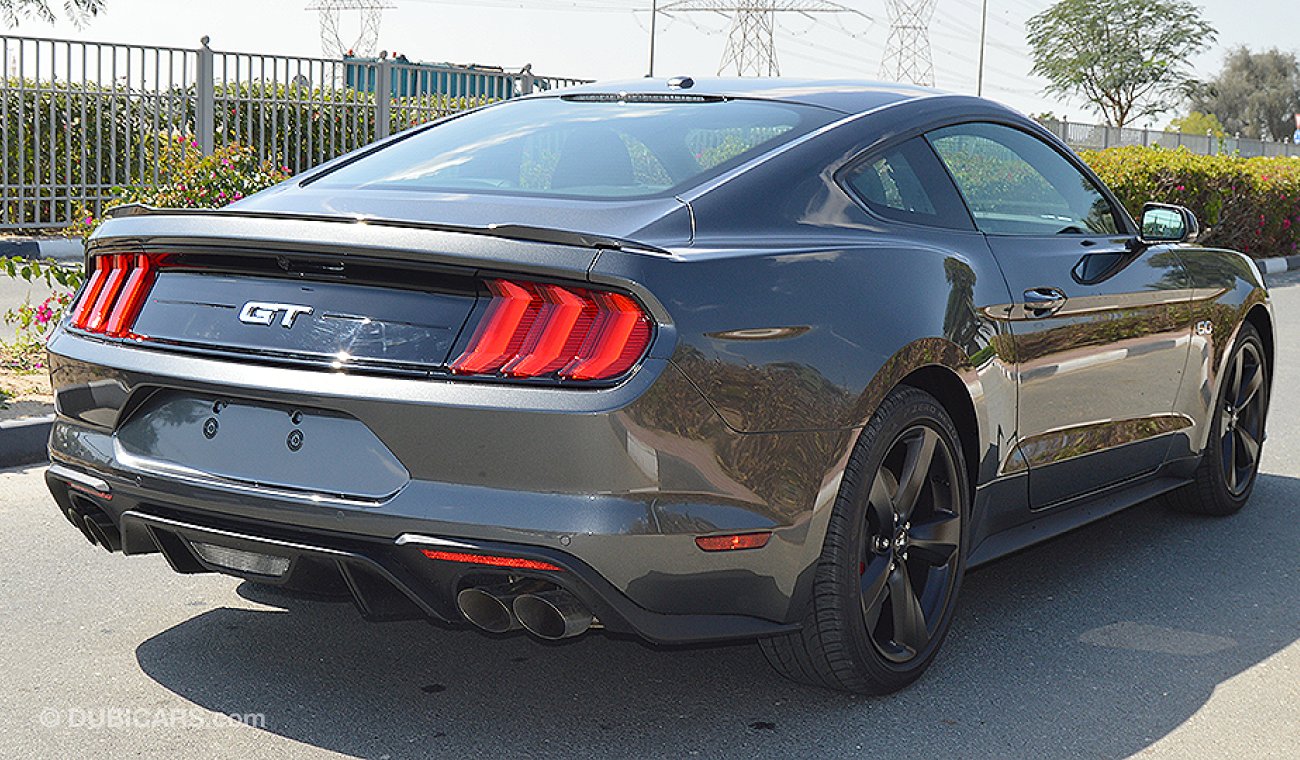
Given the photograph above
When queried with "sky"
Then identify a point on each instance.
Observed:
(609, 39)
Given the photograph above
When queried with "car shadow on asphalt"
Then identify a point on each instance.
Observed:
(1097, 643)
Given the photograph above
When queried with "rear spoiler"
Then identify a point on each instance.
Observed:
(521, 232)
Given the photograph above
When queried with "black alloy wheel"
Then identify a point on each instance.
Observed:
(1230, 460)
(914, 530)
(886, 585)
(1241, 418)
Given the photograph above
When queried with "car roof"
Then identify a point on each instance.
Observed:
(846, 95)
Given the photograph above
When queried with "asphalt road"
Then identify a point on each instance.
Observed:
(1149, 634)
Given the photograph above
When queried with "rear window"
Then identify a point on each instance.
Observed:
(590, 148)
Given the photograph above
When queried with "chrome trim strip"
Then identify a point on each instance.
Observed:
(180, 473)
(80, 478)
(421, 540)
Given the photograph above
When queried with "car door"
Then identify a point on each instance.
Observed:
(1097, 338)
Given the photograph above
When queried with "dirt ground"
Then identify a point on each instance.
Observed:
(24, 395)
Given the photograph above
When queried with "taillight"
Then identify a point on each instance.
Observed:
(115, 293)
(540, 330)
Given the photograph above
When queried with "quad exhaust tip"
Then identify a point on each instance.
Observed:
(489, 608)
(542, 610)
(552, 615)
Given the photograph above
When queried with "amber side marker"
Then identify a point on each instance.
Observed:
(493, 560)
(729, 543)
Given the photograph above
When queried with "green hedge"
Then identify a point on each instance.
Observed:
(1249, 204)
(68, 147)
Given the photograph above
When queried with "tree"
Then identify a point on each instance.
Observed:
(1256, 94)
(1198, 123)
(79, 11)
(1127, 58)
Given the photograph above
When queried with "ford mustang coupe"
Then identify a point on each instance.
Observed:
(758, 359)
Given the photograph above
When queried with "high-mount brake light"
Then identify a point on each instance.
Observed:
(115, 293)
(539, 330)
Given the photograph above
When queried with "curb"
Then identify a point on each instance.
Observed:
(63, 249)
(1279, 264)
(25, 442)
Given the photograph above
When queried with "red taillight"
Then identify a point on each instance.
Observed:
(537, 330)
(115, 293)
(518, 563)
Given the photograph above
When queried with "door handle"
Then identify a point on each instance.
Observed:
(1042, 301)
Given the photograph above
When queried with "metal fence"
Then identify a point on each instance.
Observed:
(1100, 137)
(80, 118)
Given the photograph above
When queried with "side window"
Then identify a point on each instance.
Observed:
(1016, 184)
(906, 183)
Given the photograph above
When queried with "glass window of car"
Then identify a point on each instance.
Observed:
(906, 183)
(583, 147)
(1016, 184)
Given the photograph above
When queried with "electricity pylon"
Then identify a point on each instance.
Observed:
(331, 39)
(907, 52)
(751, 40)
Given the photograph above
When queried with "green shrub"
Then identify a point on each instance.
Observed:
(69, 146)
(1248, 204)
(188, 179)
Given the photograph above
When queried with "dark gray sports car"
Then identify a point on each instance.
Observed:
(691, 361)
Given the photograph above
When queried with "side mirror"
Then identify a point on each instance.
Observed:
(1165, 223)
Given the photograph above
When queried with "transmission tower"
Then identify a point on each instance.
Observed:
(331, 39)
(907, 52)
(751, 40)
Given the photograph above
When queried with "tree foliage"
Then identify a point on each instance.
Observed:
(1127, 58)
(1198, 123)
(79, 11)
(1256, 94)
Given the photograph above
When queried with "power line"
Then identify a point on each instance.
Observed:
(751, 39)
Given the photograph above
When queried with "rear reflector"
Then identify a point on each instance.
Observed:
(115, 293)
(490, 559)
(254, 563)
(538, 330)
(729, 543)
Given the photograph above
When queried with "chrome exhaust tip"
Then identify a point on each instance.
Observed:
(492, 607)
(552, 615)
(100, 529)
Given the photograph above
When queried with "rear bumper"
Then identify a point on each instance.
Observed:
(612, 485)
(386, 580)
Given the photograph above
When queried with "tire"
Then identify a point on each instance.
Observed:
(862, 633)
(1221, 484)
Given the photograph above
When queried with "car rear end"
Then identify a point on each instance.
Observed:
(402, 414)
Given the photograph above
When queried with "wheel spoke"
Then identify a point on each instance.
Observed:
(1246, 392)
(916, 470)
(935, 540)
(909, 619)
(872, 586)
(880, 500)
(1249, 446)
(1230, 459)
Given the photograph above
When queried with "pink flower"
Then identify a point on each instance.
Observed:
(1181, 188)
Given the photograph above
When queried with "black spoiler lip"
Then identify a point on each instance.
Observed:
(523, 232)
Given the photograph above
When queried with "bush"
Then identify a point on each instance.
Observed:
(67, 146)
(1248, 204)
(188, 179)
